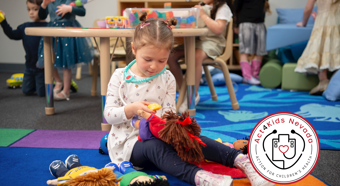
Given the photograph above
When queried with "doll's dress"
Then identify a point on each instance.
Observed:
(70, 50)
(323, 48)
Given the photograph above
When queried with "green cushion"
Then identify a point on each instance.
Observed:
(297, 81)
(271, 74)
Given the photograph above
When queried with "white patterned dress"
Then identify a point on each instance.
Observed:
(123, 135)
(323, 48)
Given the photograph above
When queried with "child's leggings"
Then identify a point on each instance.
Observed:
(62, 171)
(166, 159)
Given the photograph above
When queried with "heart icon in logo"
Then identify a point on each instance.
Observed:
(283, 148)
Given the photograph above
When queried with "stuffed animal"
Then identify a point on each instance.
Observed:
(75, 174)
(180, 131)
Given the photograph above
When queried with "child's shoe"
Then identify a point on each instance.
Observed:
(55, 165)
(246, 73)
(71, 159)
(205, 178)
(63, 97)
(242, 162)
(255, 68)
(184, 105)
(57, 90)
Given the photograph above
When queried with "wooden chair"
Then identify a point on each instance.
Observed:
(119, 54)
(219, 62)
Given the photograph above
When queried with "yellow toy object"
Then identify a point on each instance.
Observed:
(154, 106)
(15, 80)
(1, 17)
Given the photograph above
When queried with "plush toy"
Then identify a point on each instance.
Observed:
(75, 174)
(180, 131)
(242, 145)
(131, 177)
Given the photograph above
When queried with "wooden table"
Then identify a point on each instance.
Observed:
(104, 35)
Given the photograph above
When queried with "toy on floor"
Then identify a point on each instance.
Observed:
(131, 177)
(180, 131)
(79, 174)
(103, 145)
(15, 80)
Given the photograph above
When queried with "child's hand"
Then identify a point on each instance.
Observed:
(299, 24)
(314, 15)
(3, 13)
(132, 109)
(202, 12)
(45, 3)
(63, 9)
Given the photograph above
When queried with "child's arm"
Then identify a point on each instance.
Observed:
(216, 26)
(306, 13)
(10, 33)
(64, 9)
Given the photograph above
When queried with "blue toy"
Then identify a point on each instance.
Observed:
(103, 145)
(332, 93)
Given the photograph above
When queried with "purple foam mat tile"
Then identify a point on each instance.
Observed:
(62, 139)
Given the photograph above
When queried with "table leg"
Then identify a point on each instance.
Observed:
(104, 75)
(48, 68)
(189, 50)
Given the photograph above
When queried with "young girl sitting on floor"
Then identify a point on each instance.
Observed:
(145, 80)
(214, 15)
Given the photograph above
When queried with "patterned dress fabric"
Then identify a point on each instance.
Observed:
(69, 50)
(323, 48)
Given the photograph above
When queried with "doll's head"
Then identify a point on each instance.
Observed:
(102, 177)
(242, 145)
(182, 133)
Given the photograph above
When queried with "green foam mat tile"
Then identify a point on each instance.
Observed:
(9, 136)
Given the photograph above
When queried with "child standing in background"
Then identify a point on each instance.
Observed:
(145, 80)
(322, 52)
(214, 15)
(33, 77)
(70, 50)
(250, 27)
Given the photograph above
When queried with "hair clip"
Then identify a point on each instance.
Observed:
(143, 25)
(167, 25)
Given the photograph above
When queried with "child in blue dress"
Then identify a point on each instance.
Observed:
(70, 50)
(33, 77)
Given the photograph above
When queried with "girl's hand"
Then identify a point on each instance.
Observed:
(132, 109)
(314, 15)
(63, 9)
(45, 3)
(201, 12)
(3, 13)
(299, 24)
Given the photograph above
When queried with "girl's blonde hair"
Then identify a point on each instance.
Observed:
(154, 32)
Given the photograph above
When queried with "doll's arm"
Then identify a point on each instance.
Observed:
(52, 182)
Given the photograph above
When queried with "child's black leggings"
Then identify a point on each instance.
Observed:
(166, 159)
